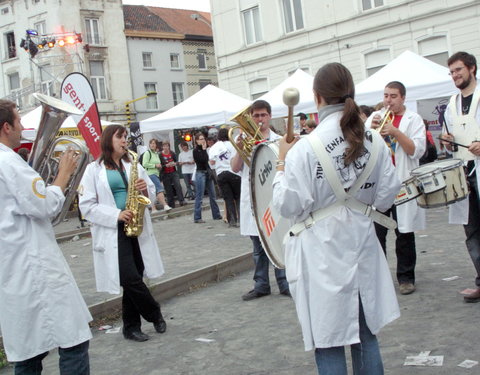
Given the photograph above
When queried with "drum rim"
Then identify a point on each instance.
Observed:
(457, 163)
(271, 256)
(436, 205)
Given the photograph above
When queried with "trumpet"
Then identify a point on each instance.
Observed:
(388, 116)
(250, 133)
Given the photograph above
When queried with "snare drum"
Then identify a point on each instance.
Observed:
(441, 183)
(272, 227)
(408, 191)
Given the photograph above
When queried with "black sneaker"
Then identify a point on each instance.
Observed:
(253, 294)
(160, 326)
(138, 336)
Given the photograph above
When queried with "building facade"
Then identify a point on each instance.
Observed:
(259, 43)
(97, 48)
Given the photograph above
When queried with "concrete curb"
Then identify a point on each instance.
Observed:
(182, 284)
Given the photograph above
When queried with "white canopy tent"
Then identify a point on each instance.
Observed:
(31, 121)
(209, 106)
(423, 79)
(300, 80)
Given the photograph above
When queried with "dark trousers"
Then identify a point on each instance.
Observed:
(262, 264)
(404, 248)
(137, 300)
(73, 361)
(230, 184)
(472, 228)
(171, 180)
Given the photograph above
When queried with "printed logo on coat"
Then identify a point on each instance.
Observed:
(38, 187)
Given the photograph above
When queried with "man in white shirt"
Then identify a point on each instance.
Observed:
(261, 113)
(41, 307)
(185, 160)
(462, 112)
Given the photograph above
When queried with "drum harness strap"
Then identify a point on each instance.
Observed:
(344, 199)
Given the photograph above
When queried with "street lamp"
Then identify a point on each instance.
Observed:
(127, 104)
(197, 17)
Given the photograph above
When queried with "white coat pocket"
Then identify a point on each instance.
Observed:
(293, 260)
(98, 239)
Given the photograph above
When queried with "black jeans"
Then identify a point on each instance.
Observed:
(137, 300)
(472, 228)
(171, 180)
(73, 361)
(230, 184)
(404, 248)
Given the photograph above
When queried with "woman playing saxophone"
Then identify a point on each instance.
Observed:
(122, 260)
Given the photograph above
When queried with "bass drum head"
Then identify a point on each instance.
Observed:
(272, 227)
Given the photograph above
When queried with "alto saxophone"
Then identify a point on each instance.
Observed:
(135, 201)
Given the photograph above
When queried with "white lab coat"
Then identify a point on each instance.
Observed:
(41, 307)
(410, 217)
(458, 212)
(248, 225)
(339, 258)
(98, 207)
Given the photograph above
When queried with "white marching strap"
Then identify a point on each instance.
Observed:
(344, 199)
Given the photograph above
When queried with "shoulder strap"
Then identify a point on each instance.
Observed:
(122, 173)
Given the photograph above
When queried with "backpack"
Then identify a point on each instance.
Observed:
(140, 159)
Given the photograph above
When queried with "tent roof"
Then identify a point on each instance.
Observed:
(423, 79)
(301, 81)
(209, 106)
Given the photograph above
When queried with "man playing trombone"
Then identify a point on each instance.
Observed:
(404, 133)
(41, 307)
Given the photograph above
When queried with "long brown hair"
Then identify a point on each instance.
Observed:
(334, 83)
(107, 145)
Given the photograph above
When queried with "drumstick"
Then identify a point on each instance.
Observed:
(291, 97)
(451, 142)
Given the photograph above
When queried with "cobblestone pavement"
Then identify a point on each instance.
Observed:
(212, 331)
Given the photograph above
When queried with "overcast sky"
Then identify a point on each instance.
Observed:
(201, 5)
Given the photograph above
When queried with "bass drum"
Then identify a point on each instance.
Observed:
(272, 227)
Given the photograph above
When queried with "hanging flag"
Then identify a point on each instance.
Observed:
(77, 91)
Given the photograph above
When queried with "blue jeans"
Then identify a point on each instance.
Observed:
(202, 179)
(156, 181)
(366, 357)
(260, 276)
(73, 361)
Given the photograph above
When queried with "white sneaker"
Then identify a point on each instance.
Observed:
(167, 208)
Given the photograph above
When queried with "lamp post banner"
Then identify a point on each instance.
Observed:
(77, 91)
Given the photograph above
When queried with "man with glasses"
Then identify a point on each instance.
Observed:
(261, 113)
(405, 136)
(462, 119)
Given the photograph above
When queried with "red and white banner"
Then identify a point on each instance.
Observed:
(77, 91)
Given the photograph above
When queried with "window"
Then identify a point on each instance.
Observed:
(147, 60)
(258, 88)
(11, 50)
(152, 102)
(97, 79)
(376, 60)
(4, 11)
(251, 21)
(369, 4)
(435, 49)
(14, 84)
(41, 27)
(202, 59)
(92, 31)
(177, 90)
(204, 82)
(46, 82)
(292, 14)
(174, 61)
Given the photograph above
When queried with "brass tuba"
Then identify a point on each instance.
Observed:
(135, 202)
(250, 133)
(42, 158)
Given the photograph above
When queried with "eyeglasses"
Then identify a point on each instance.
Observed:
(456, 71)
(259, 115)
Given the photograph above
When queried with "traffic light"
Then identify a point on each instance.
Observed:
(32, 48)
(187, 137)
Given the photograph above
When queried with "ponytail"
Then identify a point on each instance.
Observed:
(334, 83)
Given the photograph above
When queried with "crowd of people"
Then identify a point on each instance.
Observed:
(347, 169)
